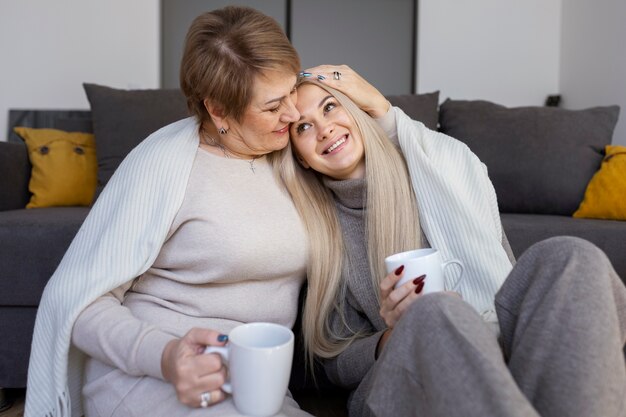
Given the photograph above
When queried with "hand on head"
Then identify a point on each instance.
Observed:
(190, 371)
(346, 80)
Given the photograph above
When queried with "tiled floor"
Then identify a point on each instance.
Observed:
(17, 410)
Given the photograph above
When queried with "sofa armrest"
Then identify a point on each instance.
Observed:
(14, 176)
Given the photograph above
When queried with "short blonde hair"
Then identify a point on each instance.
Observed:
(225, 50)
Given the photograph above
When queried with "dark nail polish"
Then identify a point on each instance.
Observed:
(399, 270)
(419, 279)
(222, 338)
(321, 77)
(419, 287)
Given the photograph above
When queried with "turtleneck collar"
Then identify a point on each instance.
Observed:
(348, 193)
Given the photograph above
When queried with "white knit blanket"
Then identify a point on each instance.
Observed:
(119, 240)
(458, 209)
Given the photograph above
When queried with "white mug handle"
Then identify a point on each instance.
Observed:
(223, 352)
(459, 263)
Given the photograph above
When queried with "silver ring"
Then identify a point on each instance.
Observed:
(336, 75)
(205, 399)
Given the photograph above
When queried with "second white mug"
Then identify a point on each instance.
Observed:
(424, 262)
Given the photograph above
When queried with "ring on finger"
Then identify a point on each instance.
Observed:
(336, 75)
(205, 399)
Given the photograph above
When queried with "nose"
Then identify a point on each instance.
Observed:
(325, 129)
(291, 114)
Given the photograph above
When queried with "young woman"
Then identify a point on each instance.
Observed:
(543, 337)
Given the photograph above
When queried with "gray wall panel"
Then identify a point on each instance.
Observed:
(376, 38)
(176, 16)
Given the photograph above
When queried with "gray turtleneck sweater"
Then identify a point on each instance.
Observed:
(361, 308)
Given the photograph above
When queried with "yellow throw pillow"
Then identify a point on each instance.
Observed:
(64, 167)
(605, 196)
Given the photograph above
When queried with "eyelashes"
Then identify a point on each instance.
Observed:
(275, 109)
(328, 107)
(302, 127)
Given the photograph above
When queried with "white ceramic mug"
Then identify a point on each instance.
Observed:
(424, 261)
(259, 357)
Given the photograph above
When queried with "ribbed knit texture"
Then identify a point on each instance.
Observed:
(121, 238)
(458, 209)
(350, 203)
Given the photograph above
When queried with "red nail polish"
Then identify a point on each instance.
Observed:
(419, 287)
(419, 279)
(399, 270)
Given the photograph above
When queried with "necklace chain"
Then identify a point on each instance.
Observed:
(215, 143)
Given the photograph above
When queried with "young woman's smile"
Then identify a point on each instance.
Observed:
(325, 137)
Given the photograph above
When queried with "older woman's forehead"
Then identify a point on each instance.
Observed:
(272, 86)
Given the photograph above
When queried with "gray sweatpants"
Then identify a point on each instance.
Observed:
(562, 316)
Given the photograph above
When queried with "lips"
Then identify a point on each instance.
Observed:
(283, 130)
(337, 143)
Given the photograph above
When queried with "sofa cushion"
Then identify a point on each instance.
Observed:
(32, 243)
(14, 175)
(605, 194)
(64, 167)
(540, 159)
(123, 118)
(523, 230)
(421, 107)
(68, 120)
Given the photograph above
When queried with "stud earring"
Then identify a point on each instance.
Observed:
(222, 131)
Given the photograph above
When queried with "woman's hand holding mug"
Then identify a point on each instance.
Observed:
(192, 373)
(395, 299)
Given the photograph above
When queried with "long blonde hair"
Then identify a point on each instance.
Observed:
(392, 226)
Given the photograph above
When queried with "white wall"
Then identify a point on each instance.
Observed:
(499, 50)
(509, 52)
(593, 57)
(49, 48)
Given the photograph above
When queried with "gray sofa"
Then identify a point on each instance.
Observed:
(539, 159)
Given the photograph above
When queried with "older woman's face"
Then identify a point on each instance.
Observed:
(326, 137)
(264, 127)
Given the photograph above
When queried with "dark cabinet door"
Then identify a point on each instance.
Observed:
(374, 37)
(176, 17)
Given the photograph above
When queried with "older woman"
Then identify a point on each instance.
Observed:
(541, 337)
(190, 233)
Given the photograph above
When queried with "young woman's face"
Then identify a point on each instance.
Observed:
(325, 137)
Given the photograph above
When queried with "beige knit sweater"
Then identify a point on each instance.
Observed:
(236, 252)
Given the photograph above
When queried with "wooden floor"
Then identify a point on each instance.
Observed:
(17, 409)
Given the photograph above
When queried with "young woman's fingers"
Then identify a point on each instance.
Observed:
(403, 305)
(389, 282)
